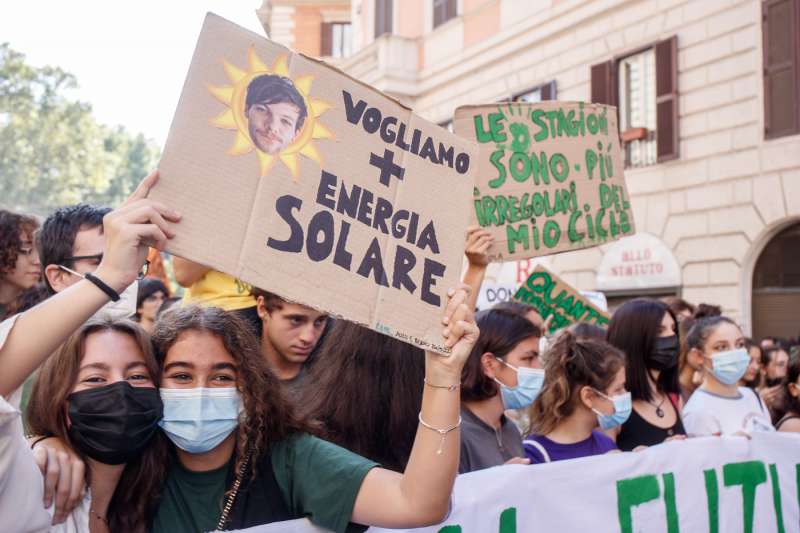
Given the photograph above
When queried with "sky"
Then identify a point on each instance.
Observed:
(130, 57)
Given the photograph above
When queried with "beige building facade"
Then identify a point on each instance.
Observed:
(709, 99)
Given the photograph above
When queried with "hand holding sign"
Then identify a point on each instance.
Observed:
(338, 205)
(129, 230)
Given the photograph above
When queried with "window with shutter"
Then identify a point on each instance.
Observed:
(326, 41)
(781, 38)
(666, 53)
(444, 10)
(644, 87)
(336, 39)
(383, 17)
(636, 78)
(546, 91)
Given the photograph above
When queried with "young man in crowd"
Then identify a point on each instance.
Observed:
(290, 334)
(71, 238)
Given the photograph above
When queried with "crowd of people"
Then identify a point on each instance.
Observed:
(127, 407)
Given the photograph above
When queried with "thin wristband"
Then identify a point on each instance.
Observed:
(442, 432)
(100, 284)
(448, 387)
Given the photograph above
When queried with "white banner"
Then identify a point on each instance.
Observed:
(709, 485)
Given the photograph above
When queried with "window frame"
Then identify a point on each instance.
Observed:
(604, 89)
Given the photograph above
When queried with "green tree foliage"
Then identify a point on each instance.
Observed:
(52, 150)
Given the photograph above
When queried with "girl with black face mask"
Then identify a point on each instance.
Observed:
(98, 395)
(97, 392)
(646, 330)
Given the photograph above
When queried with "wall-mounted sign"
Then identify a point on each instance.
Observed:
(641, 261)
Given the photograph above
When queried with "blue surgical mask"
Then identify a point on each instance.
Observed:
(729, 367)
(198, 420)
(529, 385)
(622, 410)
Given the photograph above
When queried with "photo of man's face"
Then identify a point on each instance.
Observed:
(275, 112)
(272, 126)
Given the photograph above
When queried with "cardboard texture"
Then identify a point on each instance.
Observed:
(551, 295)
(550, 176)
(358, 210)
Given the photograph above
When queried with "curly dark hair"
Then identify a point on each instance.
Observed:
(13, 227)
(270, 417)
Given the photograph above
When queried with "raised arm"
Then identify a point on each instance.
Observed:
(477, 244)
(188, 273)
(421, 495)
(37, 333)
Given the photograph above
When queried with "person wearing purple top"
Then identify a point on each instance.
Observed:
(540, 449)
(584, 388)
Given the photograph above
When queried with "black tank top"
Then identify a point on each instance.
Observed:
(259, 501)
(639, 432)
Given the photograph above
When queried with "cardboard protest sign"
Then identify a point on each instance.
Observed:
(299, 180)
(550, 176)
(551, 295)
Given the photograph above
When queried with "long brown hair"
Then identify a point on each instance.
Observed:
(130, 506)
(571, 363)
(270, 417)
(366, 393)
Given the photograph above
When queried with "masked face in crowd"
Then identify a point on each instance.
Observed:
(272, 127)
(114, 408)
(724, 354)
(612, 406)
(198, 387)
(667, 346)
(519, 374)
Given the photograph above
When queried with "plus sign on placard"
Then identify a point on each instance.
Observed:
(387, 166)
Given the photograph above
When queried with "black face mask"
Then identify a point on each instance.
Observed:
(771, 382)
(665, 355)
(113, 424)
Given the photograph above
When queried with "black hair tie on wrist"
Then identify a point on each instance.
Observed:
(100, 284)
(40, 439)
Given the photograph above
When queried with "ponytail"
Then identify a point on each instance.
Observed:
(570, 363)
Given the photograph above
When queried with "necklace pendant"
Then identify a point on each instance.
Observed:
(659, 412)
(441, 446)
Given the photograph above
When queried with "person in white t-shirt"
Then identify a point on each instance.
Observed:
(719, 406)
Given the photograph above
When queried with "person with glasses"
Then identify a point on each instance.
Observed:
(20, 269)
(28, 340)
(71, 244)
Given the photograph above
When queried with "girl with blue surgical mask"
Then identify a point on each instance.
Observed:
(584, 390)
(720, 406)
(242, 456)
(503, 373)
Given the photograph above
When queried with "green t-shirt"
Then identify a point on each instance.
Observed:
(317, 479)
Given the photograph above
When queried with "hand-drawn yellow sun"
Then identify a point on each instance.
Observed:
(234, 118)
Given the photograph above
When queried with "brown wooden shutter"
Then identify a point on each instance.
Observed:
(548, 90)
(604, 83)
(326, 41)
(452, 7)
(383, 17)
(781, 23)
(667, 143)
